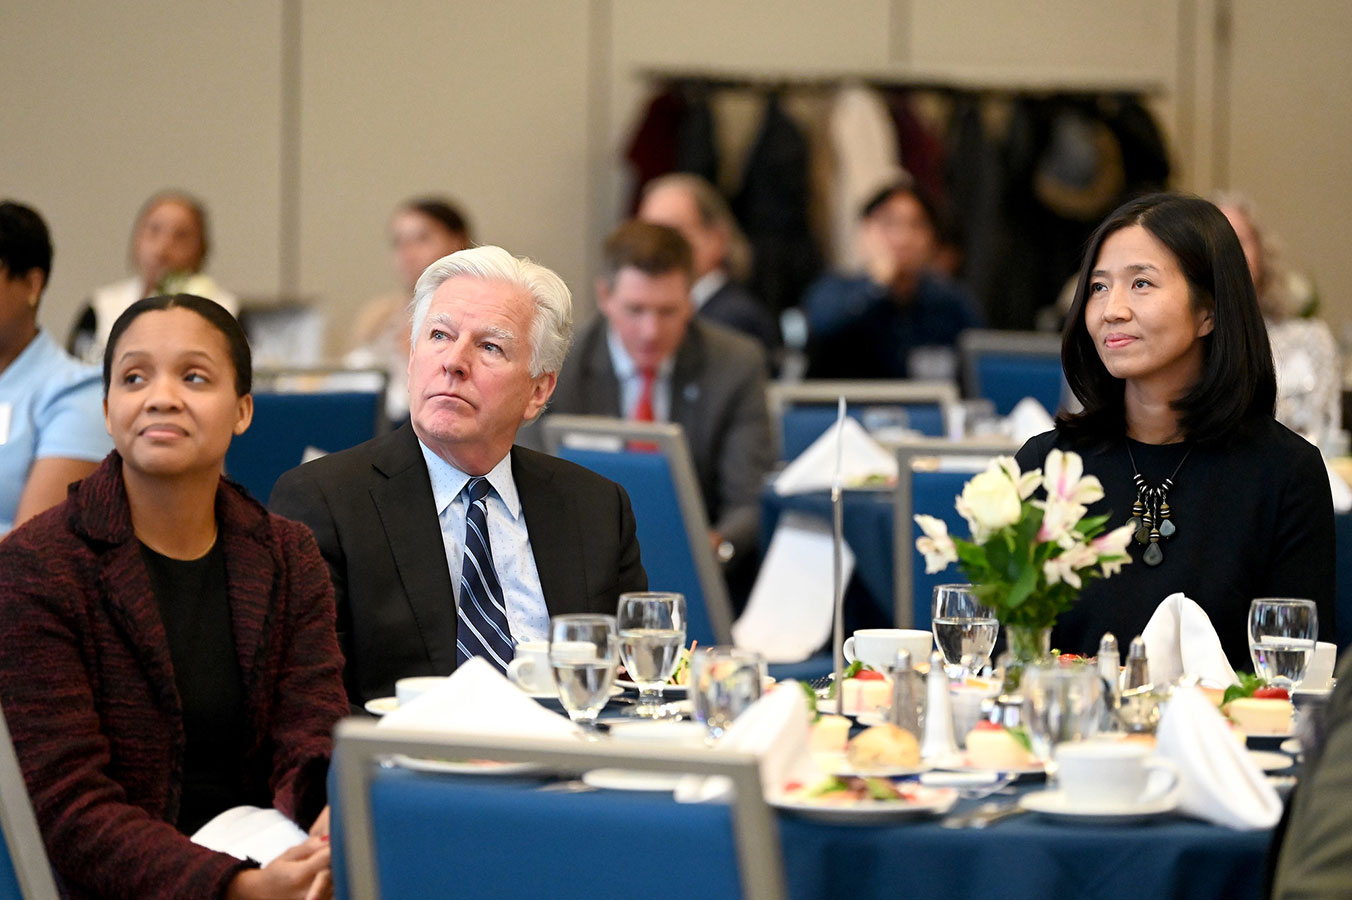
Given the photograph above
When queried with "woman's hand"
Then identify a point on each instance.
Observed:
(301, 873)
(320, 829)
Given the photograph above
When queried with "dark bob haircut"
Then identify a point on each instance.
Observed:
(1237, 380)
(25, 243)
(936, 216)
(215, 314)
(443, 211)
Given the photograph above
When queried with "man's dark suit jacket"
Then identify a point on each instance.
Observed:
(734, 306)
(372, 513)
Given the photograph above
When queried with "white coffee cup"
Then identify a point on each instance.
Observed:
(1319, 674)
(530, 669)
(406, 690)
(1099, 774)
(877, 647)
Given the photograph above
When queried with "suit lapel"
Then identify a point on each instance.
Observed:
(553, 526)
(685, 383)
(126, 585)
(408, 514)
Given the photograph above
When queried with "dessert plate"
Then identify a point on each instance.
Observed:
(924, 801)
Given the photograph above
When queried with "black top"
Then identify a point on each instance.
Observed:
(1254, 518)
(191, 596)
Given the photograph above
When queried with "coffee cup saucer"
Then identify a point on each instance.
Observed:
(1055, 804)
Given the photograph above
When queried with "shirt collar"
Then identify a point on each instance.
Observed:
(706, 286)
(448, 481)
(624, 366)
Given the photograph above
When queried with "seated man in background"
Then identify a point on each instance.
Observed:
(647, 357)
(900, 319)
(444, 540)
(720, 252)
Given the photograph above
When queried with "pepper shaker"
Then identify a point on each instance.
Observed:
(905, 711)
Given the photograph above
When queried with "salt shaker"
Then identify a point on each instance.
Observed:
(905, 711)
(938, 742)
(1109, 665)
(1138, 667)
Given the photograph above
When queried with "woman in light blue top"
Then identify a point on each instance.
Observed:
(51, 414)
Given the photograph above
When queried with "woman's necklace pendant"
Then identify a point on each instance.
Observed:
(1151, 515)
(1153, 555)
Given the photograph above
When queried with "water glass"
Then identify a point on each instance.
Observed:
(964, 628)
(652, 635)
(1063, 703)
(724, 681)
(583, 653)
(1282, 636)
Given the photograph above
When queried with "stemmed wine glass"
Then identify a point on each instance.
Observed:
(1282, 635)
(583, 652)
(652, 635)
(724, 681)
(964, 628)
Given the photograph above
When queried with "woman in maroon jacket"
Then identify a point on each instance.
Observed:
(167, 647)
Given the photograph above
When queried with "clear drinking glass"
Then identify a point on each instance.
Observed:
(1064, 703)
(1282, 635)
(652, 634)
(724, 681)
(964, 629)
(583, 652)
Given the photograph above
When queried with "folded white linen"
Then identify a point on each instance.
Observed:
(478, 699)
(248, 832)
(1027, 419)
(776, 730)
(1180, 640)
(1218, 780)
(861, 458)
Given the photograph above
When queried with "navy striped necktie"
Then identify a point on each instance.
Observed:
(482, 628)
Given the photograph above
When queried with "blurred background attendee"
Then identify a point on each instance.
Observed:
(1309, 371)
(422, 231)
(721, 251)
(51, 421)
(899, 320)
(169, 245)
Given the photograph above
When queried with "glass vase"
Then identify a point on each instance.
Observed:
(1024, 645)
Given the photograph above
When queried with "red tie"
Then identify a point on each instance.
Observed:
(643, 409)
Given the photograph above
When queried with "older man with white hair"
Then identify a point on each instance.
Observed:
(446, 541)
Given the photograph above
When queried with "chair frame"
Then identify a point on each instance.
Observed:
(780, 396)
(975, 341)
(908, 453)
(360, 745)
(27, 853)
(669, 438)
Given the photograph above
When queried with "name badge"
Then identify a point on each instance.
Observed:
(6, 413)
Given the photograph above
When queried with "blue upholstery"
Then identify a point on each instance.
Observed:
(1343, 586)
(1005, 379)
(932, 494)
(803, 423)
(9, 881)
(667, 556)
(285, 424)
(449, 836)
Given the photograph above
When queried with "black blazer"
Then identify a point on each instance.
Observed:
(372, 513)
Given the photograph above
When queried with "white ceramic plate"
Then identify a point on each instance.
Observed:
(959, 763)
(668, 691)
(1056, 805)
(464, 766)
(1270, 761)
(630, 780)
(929, 801)
(1292, 746)
(382, 705)
(838, 764)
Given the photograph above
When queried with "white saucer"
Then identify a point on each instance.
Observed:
(631, 780)
(382, 705)
(1292, 746)
(464, 766)
(1271, 761)
(1055, 805)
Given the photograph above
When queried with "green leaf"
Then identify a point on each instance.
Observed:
(1020, 734)
(1023, 587)
(1248, 683)
(879, 789)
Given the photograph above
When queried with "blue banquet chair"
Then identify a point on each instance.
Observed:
(1006, 366)
(400, 833)
(25, 873)
(930, 477)
(805, 410)
(652, 462)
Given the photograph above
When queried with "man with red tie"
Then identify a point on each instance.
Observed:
(647, 357)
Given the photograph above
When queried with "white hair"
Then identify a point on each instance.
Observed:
(551, 331)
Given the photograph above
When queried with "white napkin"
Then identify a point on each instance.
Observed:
(1180, 640)
(790, 609)
(1027, 419)
(248, 832)
(861, 457)
(478, 699)
(1219, 781)
(775, 729)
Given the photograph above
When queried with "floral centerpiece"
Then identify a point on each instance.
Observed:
(1028, 559)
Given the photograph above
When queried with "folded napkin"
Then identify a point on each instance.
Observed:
(1180, 640)
(1218, 779)
(1027, 419)
(478, 699)
(861, 458)
(776, 730)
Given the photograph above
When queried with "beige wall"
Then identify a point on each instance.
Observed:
(520, 108)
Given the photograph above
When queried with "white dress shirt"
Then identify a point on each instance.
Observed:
(631, 381)
(527, 615)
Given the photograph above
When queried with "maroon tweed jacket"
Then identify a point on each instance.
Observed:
(88, 688)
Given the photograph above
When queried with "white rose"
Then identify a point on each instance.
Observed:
(989, 502)
(936, 545)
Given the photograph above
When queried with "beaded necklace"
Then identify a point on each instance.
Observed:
(1150, 513)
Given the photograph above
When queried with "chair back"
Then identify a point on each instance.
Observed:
(401, 834)
(930, 477)
(306, 411)
(652, 462)
(25, 873)
(1006, 366)
(805, 410)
